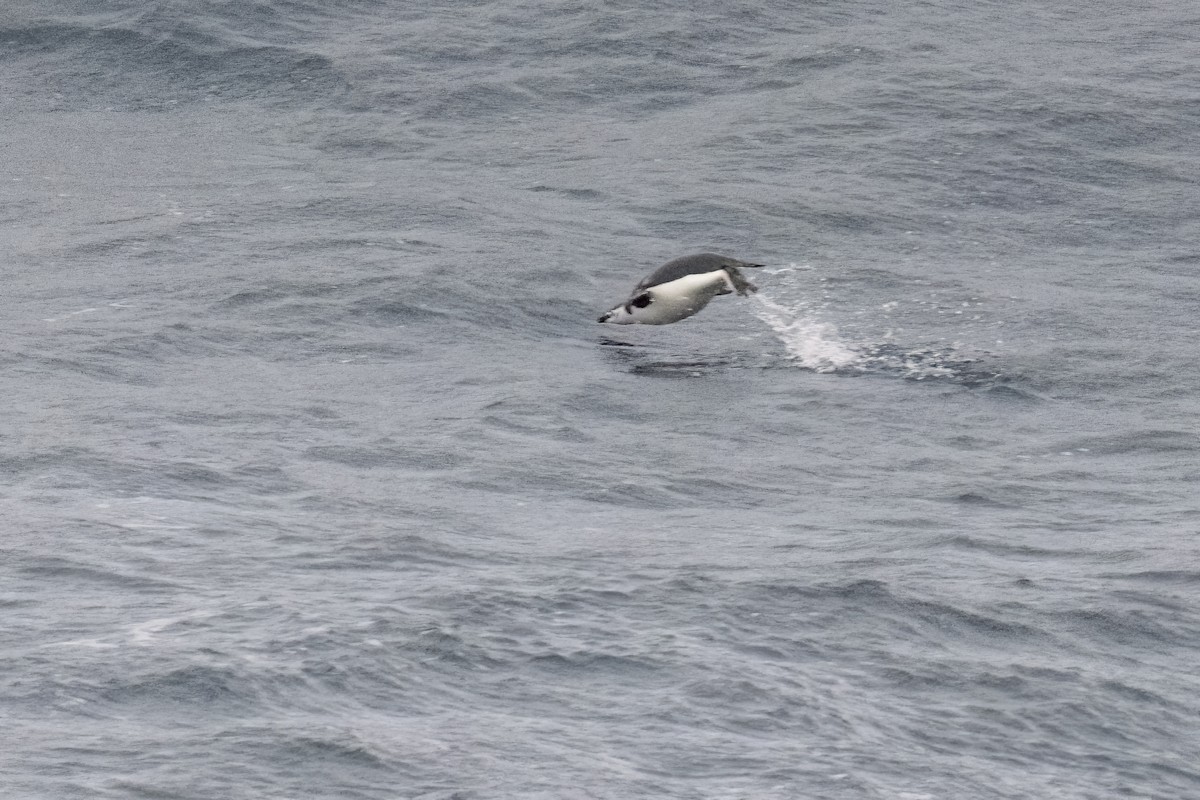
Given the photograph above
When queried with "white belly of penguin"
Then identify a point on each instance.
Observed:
(680, 298)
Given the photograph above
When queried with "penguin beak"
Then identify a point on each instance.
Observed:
(616, 315)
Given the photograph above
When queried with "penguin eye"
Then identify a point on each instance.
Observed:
(642, 300)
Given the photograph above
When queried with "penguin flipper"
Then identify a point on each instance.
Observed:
(739, 282)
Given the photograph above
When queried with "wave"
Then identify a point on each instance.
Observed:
(112, 66)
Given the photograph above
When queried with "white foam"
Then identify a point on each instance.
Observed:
(797, 319)
(812, 342)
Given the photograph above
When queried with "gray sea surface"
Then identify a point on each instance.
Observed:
(320, 479)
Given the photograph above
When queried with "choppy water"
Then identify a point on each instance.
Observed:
(321, 480)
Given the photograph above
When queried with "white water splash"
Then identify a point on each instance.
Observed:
(813, 343)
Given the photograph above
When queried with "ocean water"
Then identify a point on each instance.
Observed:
(321, 480)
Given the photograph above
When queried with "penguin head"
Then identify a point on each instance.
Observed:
(628, 313)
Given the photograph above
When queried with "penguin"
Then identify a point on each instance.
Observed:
(680, 288)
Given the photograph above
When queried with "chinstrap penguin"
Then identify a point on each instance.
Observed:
(680, 288)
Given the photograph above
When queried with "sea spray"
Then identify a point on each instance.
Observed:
(813, 343)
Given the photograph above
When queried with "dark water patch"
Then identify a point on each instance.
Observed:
(592, 665)
(264, 479)
(978, 499)
(536, 424)
(645, 492)
(830, 58)
(959, 622)
(334, 748)
(693, 584)
(387, 549)
(1141, 696)
(735, 691)
(384, 454)
(1146, 441)
(103, 370)
(1123, 627)
(869, 590)
(305, 344)
(828, 220)
(916, 523)
(171, 342)
(1183, 265)
(224, 419)
(180, 479)
(1168, 576)
(322, 413)
(275, 293)
(632, 495)
(1161, 601)
(571, 599)
(93, 471)
(574, 194)
(653, 360)
(355, 139)
(191, 474)
(211, 688)
(916, 616)
(451, 650)
(1051, 674)
(1010, 393)
(940, 678)
(350, 249)
(1020, 550)
(855, 278)
(13, 467)
(860, 595)
(479, 97)
(679, 369)
(116, 67)
(67, 572)
(398, 312)
(139, 245)
(764, 652)
(1015, 496)
(700, 491)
